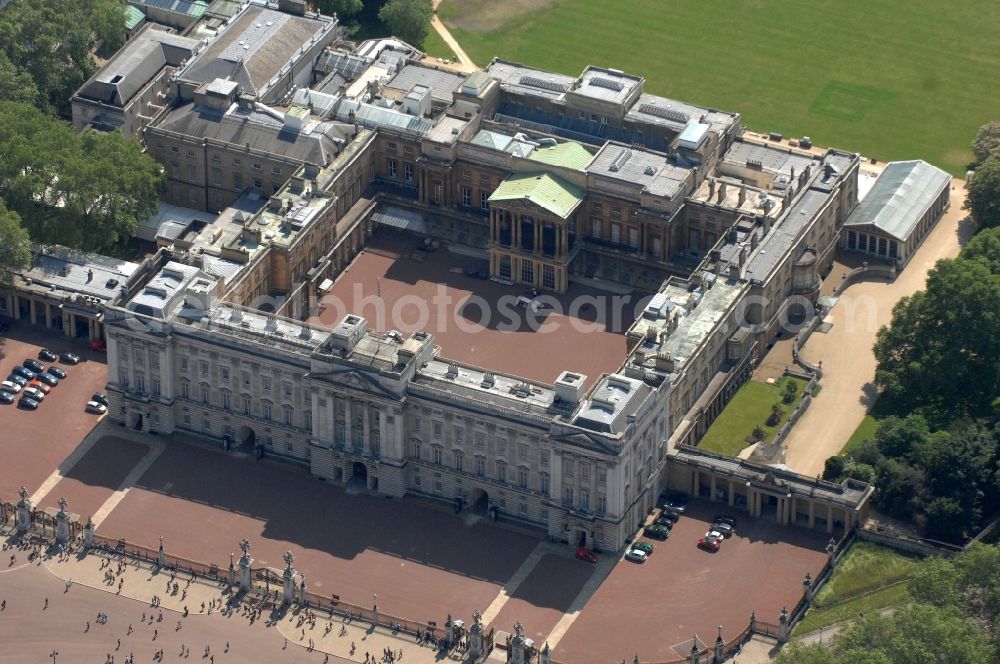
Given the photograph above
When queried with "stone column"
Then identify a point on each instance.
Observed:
(449, 631)
(245, 561)
(783, 625)
(543, 656)
(161, 556)
(88, 534)
(712, 496)
(695, 652)
(382, 430)
(812, 514)
(348, 425)
(232, 572)
(476, 637)
(516, 652)
(48, 315)
(829, 518)
(807, 587)
(302, 590)
(62, 521)
(31, 310)
(720, 647)
(732, 494)
(288, 577)
(24, 511)
(365, 428)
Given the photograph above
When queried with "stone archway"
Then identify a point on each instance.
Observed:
(246, 438)
(480, 502)
(359, 474)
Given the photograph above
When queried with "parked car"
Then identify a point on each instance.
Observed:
(47, 378)
(28, 403)
(57, 372)
(47, 355)
(6, 397)
(723, 518)
(33, 393)
(18, 378)
(645, 547)
(40, 386)
(586, 555)
(665, 522)
(34, 365)
(10, 386)
(723, 529)
(98, 346)
(100, 398)
(24, 372)
(710, 542)
(636, 556)
(97, 408)
(656, 532)
(69, 358)
(674, 500)
(671, 514)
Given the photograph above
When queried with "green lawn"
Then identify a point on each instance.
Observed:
(434, 45)
(865, 431)
(869, 577)
(750, 406)
(893, 79)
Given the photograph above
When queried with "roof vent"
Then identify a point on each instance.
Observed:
(452, 371)
(620, 160)
(489, 380)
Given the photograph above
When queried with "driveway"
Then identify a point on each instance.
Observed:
(846, 350)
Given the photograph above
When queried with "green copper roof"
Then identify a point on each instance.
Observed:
(133, 17)
(569, 155)
(554, 194)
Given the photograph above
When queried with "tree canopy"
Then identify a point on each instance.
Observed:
(983, 199)
(342, 8)
(51, 44)
(88, 191)
(410, 20)
(15, 250)
(987, 142)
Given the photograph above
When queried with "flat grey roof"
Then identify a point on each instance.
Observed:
(442, 84)
(650, 170)
(784, 234)
(67, 270)
(614, 398)
(530, 81)
(607, 85)
(161, 293)
(652, 109)
(899, 198)
(774, 159)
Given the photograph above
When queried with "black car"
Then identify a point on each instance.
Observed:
(18, 378)
(48, 379)
(57, 372)
(656, 532)
(34, 365)
(6, 397)
(47, 355)
(100, 398)
(665, 522)
(723, 528)
(69, 358)
(24, 372)
(671, 514)
(729, 520)
(27, 403)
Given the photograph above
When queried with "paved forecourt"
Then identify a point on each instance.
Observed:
(476, 320)
(35, 443)
(422, 562)
(654, 608)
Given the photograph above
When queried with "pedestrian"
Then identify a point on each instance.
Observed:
(155, 633)
(129, 629)
(119, 644)
(88, 627)
(3, 605)
(46, 604)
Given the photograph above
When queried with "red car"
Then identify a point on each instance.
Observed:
(710, 542)
(586, 555)
(98, 346)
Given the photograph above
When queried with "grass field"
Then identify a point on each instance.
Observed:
(750, 406)
(869, 577)
(434, 45)
(865, 431)
(893, 79)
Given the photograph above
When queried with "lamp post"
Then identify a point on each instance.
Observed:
(53, 655)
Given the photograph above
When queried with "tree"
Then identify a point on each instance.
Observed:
(342, 8)
(15, 250)
(987, 142)
(796, 653)
(410, 20)
(53, 42)
(985, 247)
(15, 84)
(983, 198)
(833, 469)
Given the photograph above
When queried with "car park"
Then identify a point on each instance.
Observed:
(17, 378)
(69, 358)
(636, 556)
(34, 394)
(47, 355)
(100, 409)
(100, 398)
(40, 386)
(6, 397)
(48, 379)
(656, 532)
(58, 372)
(645, 547)
(24, 372)
(28, 403)
(710, 542)
(586, 555)
(34, 365)
(11, 386)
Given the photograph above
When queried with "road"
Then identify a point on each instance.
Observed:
(465, 63)
(847, 349)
